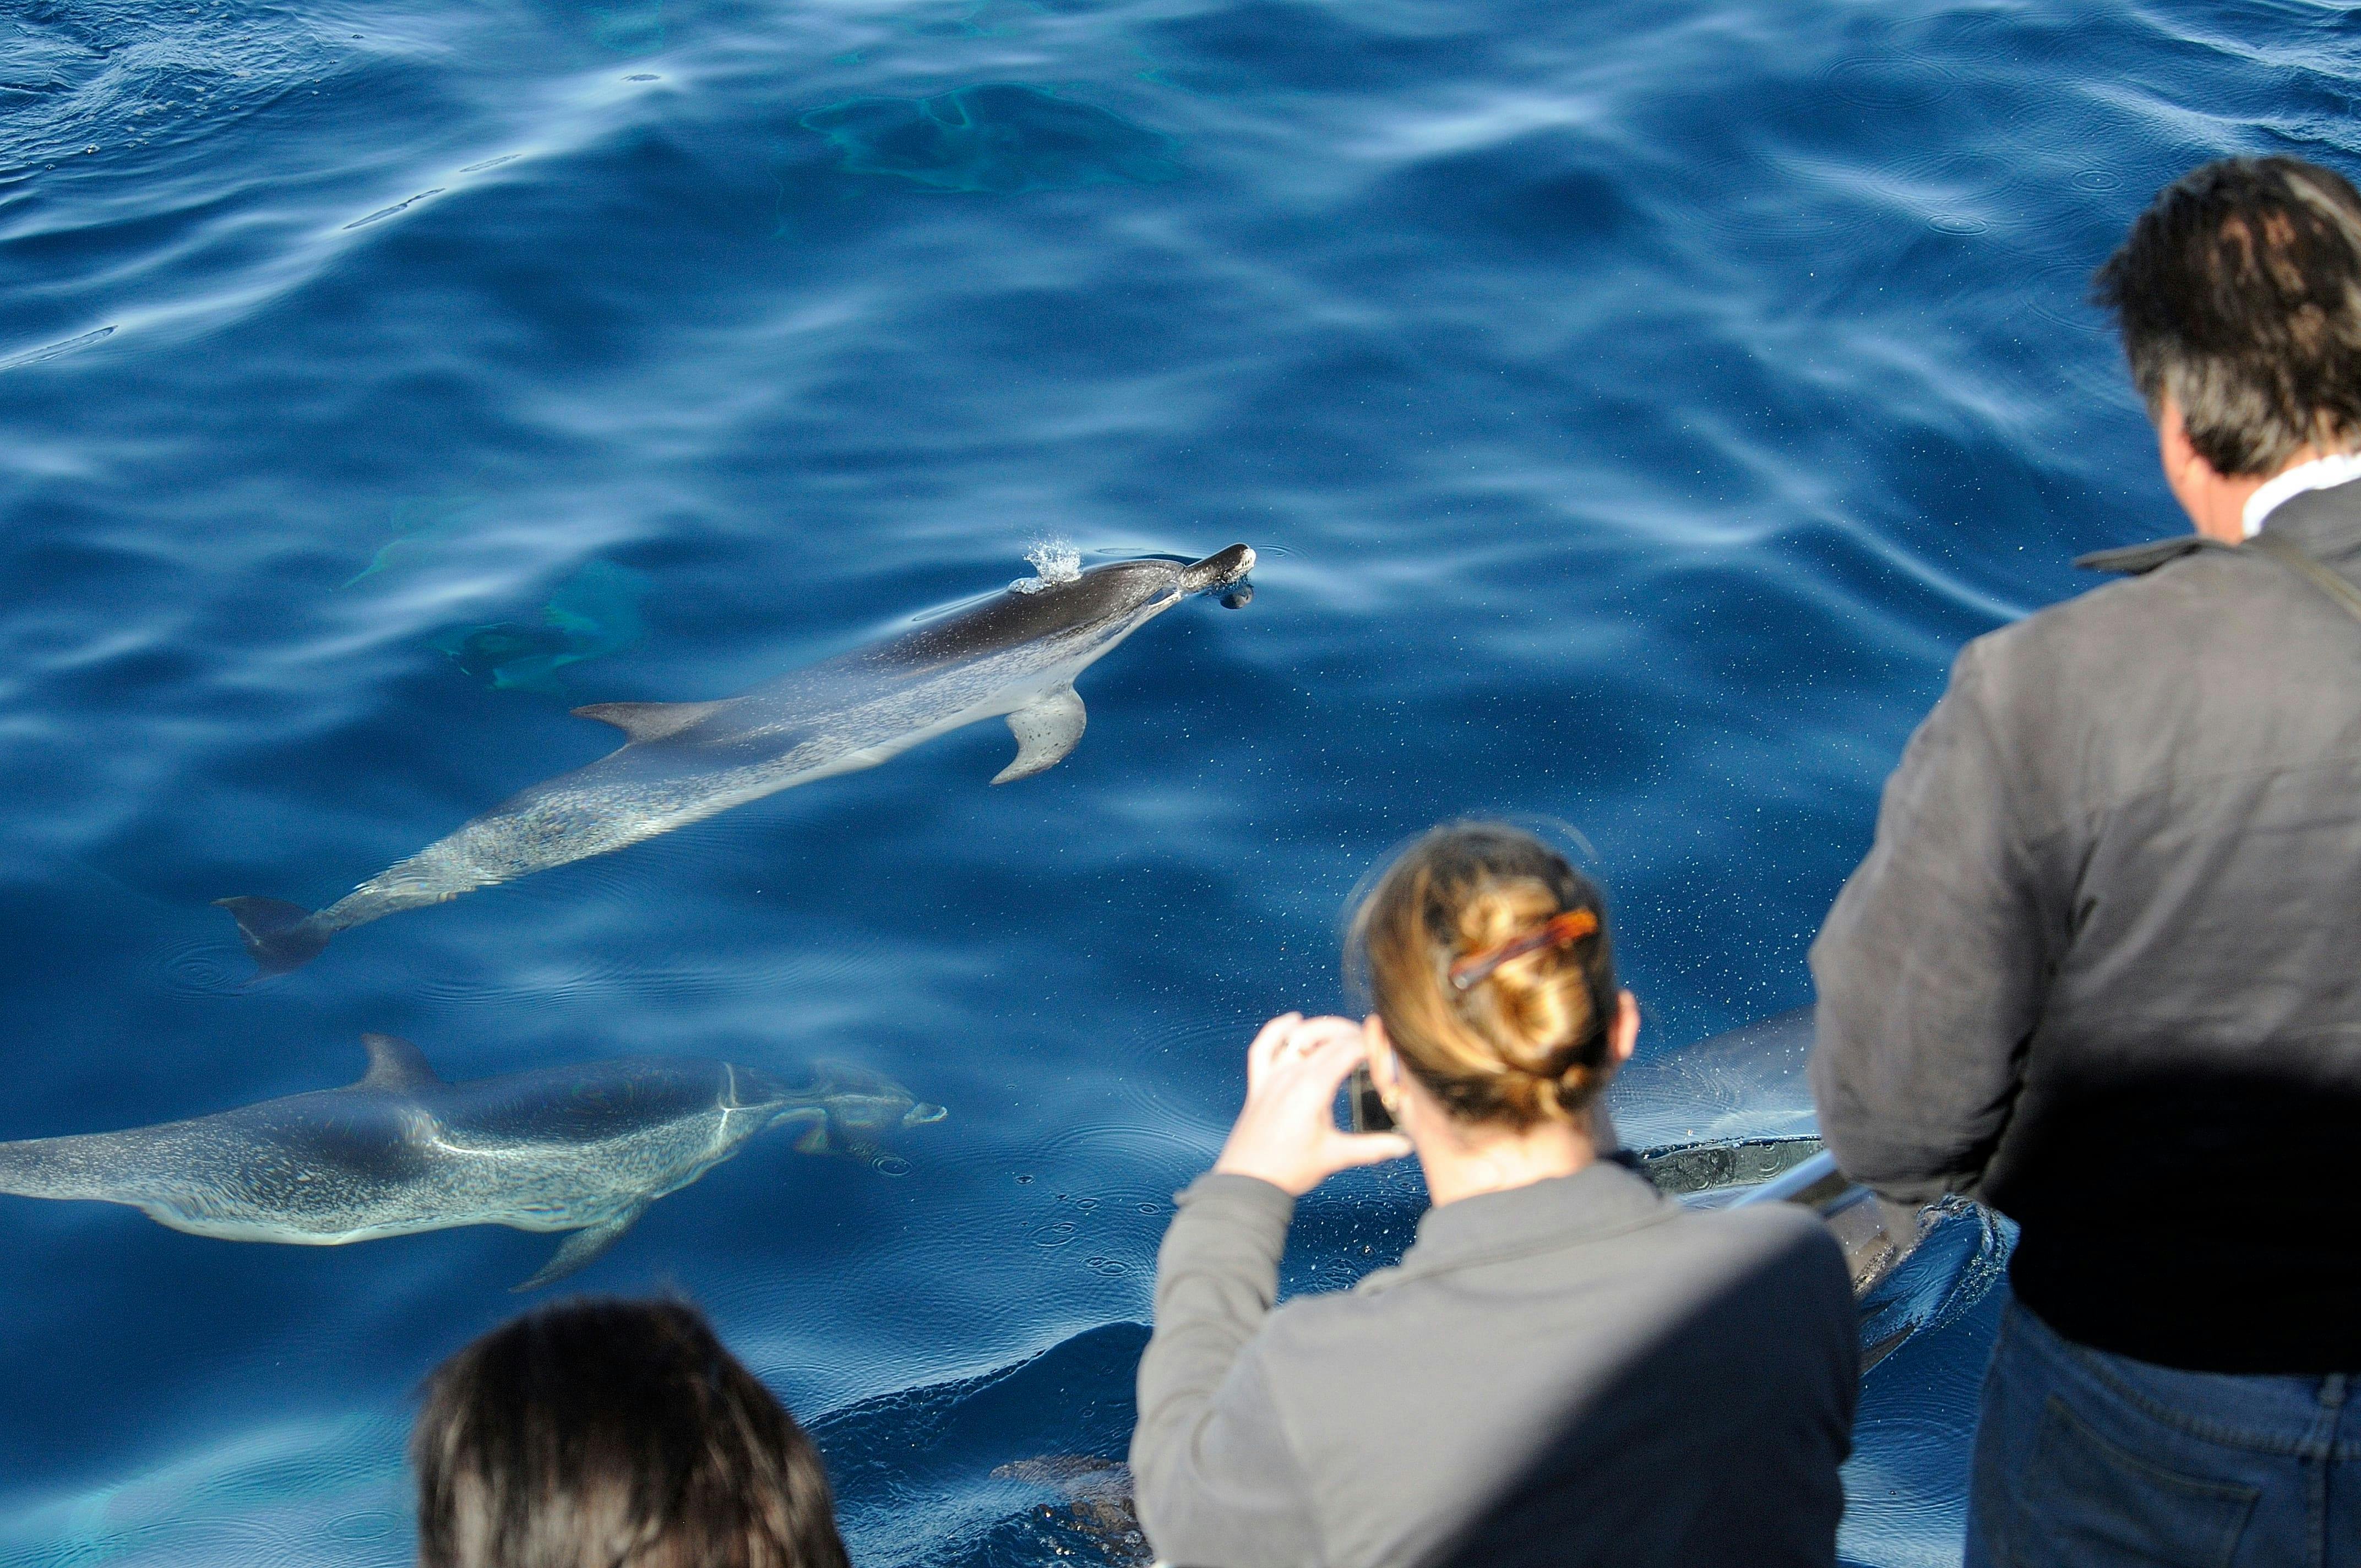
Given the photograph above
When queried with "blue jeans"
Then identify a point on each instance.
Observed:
(2097, 1460)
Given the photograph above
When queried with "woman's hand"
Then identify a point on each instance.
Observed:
(1287, 1134)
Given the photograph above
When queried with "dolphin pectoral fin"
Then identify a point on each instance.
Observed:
(649, 720)
(815, 1139)
(281, 935)
(1045, 729)
(583, 1248)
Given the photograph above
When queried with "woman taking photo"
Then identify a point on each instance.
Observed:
(1567, 1367)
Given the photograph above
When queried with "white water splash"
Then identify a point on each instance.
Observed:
(1055, 561)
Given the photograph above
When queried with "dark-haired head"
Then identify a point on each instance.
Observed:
(614, 1434)
(1521, 1034)
(2239, 295)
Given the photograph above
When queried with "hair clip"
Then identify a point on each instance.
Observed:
(1560, 930)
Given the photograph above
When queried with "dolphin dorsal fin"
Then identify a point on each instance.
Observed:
(648, 721)
(395, 1063)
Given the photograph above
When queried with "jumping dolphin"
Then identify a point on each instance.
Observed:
(582, 1148)
(1016, 654)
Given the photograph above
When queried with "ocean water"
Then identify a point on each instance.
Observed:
(1634, 407)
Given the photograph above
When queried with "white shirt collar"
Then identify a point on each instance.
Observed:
(2319, 474)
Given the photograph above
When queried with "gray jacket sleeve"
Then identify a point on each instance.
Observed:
(1216, 1482)
(1935, 962)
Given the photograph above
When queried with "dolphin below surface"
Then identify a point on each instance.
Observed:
(582, 1148)
(1731, 1120)
(1016, 654)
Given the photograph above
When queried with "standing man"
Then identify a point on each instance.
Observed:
(2102, 968)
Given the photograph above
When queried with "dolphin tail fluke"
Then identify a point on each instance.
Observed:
(1045, 729)
(583, 1248)
(281, 935)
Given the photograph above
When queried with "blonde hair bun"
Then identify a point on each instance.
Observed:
(1526, 1042)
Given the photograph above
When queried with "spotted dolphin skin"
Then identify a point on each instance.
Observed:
(582, 1148)
(1015, 654)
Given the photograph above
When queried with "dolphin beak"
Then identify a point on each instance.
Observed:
(922, 1113)
(1218, 570)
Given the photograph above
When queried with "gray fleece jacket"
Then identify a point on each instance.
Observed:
(1579, 1371)
(2102, 968)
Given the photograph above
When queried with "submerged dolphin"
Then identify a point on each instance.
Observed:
(1017, 654)
(582, 1148)
(1729, 1120)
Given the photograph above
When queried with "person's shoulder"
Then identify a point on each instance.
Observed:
(1372, 1297)
(1760, 1224)
(2175, 583)
(1782, 1237)
(1313, 1335)
(2103, 647)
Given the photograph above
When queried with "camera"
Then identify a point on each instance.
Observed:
(1368, 1112)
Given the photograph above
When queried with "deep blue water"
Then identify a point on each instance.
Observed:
(1635, 407)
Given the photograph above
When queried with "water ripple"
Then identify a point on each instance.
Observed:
(1634, 413)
